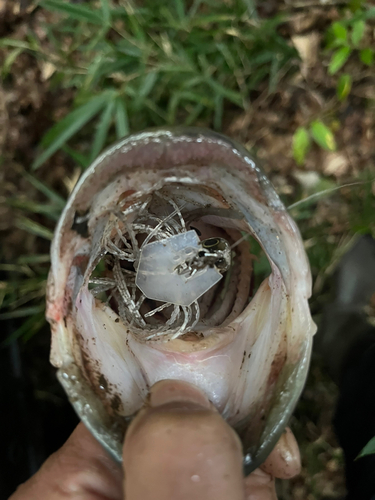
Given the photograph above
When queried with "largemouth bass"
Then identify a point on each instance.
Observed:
(151, 279)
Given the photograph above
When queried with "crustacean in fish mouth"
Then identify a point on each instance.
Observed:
(151, 279)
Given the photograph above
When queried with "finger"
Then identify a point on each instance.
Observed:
(284, 461)
(80, 470)
(180, 448)
(260, 486)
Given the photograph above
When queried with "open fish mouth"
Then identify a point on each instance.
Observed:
(151, 279)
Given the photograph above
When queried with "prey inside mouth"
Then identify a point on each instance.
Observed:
(173, 263)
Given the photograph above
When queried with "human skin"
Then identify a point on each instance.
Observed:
(178, 447)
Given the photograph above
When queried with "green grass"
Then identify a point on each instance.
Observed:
(161, 63)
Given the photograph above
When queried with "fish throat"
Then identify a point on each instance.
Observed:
(172, 264)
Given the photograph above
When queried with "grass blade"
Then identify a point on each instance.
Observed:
(27, 329)
(82, 160)
(51, 195)
(102, 130)
(10, 42)
(33, 227)
(34, 259)
(7, 65)
(80, 12)
(33, 207)
(369, 449)
(22, 312)
(122, 122)
(72, 123)
(106, 10)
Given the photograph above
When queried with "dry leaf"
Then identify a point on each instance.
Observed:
(336, 164)
(307, 47)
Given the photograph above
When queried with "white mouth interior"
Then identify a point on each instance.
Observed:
(133, 266)
(229, 344)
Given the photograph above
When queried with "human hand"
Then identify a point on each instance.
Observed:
(177, 448)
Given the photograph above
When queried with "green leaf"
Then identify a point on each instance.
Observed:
(339, 31)
(102, 130)
(33, 227)
(369, 449)
(358, 32)
(80, 12)
(301, 145)
(23, 312)
(53, 197)
(9, 60)
(145, 88)
(30, 326)
(338, 59)
(28, 205)
(122, 123)
(355, 5)
(322, 135)
(68, 126)
(231, 95)
(82, 160)
(218, 116)
(34, 259)
(344, 86)
(367, 56)
(10, 42)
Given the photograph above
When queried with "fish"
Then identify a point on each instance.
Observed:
(152, 278)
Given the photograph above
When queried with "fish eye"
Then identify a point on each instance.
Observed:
(210, 243)
(220, 262)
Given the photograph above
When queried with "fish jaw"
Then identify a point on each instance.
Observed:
(245, 367)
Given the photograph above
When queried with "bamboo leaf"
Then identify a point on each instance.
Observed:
(323, 136)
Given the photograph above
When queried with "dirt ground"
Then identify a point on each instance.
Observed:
(28, 107)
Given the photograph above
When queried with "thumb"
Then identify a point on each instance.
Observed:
(179, 448)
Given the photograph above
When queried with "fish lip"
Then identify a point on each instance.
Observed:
(266, 196)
